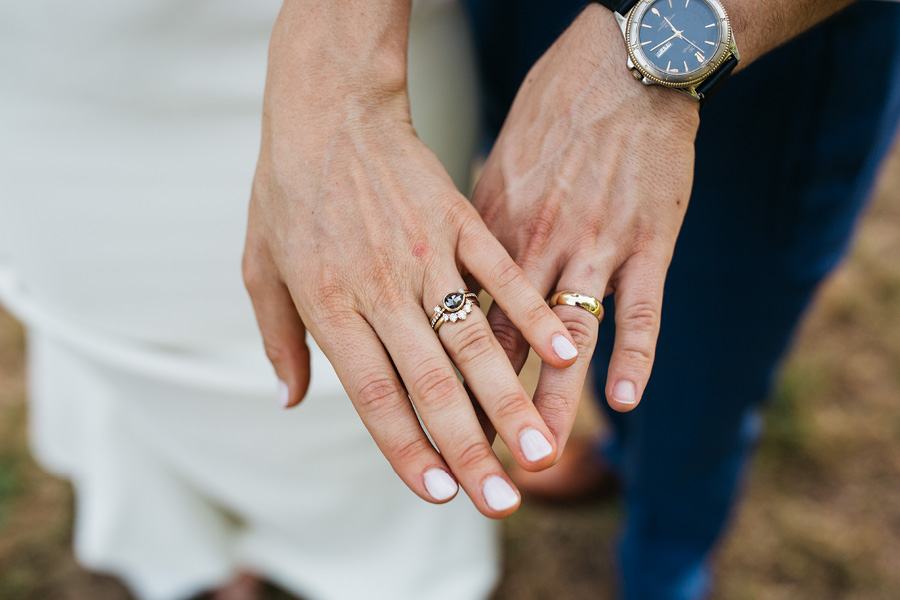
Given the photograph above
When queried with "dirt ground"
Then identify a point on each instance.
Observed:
(821, 515)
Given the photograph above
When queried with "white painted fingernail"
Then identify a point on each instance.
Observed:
(534, 445)
(284, 393)
(498, 494)
(439, 484)
(563, 347)
(625, 392)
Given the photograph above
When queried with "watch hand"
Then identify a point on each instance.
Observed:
(669, 23)
(662, 43)
(690, 42)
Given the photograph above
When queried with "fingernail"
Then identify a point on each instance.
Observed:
(284, 393)
(534, 445)
(625, 392)
(563, 347)
(439, 484)
(498, 494)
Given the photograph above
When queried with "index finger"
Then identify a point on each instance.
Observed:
(489, 262)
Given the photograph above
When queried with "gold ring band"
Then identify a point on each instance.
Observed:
(456, 306)
(583, 301)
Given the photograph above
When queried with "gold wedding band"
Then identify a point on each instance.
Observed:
(583, 301)
(456, 306)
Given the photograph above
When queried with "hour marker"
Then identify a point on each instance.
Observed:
(646, 43)
(654, 11)
(700, 58)
(685, 67)
(647, 26)
(670, 3)
(686, 2)
(710, 43)
(669, 66)
(711, 25)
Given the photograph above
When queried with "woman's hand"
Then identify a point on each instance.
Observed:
(355, 233)
(587, 187)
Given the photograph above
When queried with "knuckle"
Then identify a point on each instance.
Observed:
(463, 216)
(582, 326)
(556, 406)
(331, 302)
(541, 227)
(644, 239)
(536, 311)
(637, 357)
(641, 317)
(382, 273)
(336, 316)
(595, 227)
(435, 386)
(377, 393)
(410, 451)
(506, 273)
(329, 291)
(381, 278)
(592, 262)
(474, 454)
(472, 342)
(512, 404)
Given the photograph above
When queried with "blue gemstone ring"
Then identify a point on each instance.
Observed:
(456, 306)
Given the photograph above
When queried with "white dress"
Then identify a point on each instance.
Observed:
(129, 136)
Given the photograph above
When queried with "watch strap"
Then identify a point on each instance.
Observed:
(620, 6)
(711, 84)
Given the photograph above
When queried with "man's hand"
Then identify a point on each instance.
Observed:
(588, 185)
(587, 188)
(356, 232)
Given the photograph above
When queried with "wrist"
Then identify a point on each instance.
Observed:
(599, 44)
(339, 54)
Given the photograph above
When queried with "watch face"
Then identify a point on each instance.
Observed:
(677, 41)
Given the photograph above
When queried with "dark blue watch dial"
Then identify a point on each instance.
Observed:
(679, 36)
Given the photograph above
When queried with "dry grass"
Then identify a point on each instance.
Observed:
(821, 517)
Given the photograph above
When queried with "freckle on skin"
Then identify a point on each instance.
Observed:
(420, 249)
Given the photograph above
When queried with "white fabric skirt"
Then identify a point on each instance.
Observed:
(130, 136)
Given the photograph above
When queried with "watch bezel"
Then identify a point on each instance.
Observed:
(675, 80)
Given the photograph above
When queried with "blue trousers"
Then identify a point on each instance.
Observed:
(786, 157)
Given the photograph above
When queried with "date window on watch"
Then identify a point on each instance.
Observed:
(663, 49)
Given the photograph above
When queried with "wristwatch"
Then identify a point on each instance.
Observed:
(687, 45)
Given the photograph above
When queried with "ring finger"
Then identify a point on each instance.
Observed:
(477, 354)
(559, 390)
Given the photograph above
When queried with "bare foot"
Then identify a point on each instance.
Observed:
(580, 475)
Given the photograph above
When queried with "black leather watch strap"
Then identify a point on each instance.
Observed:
(620, 6)
(709, 86)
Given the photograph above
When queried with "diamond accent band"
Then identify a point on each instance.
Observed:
(456, 306)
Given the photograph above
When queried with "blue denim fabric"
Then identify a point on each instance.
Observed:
(786, 158)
